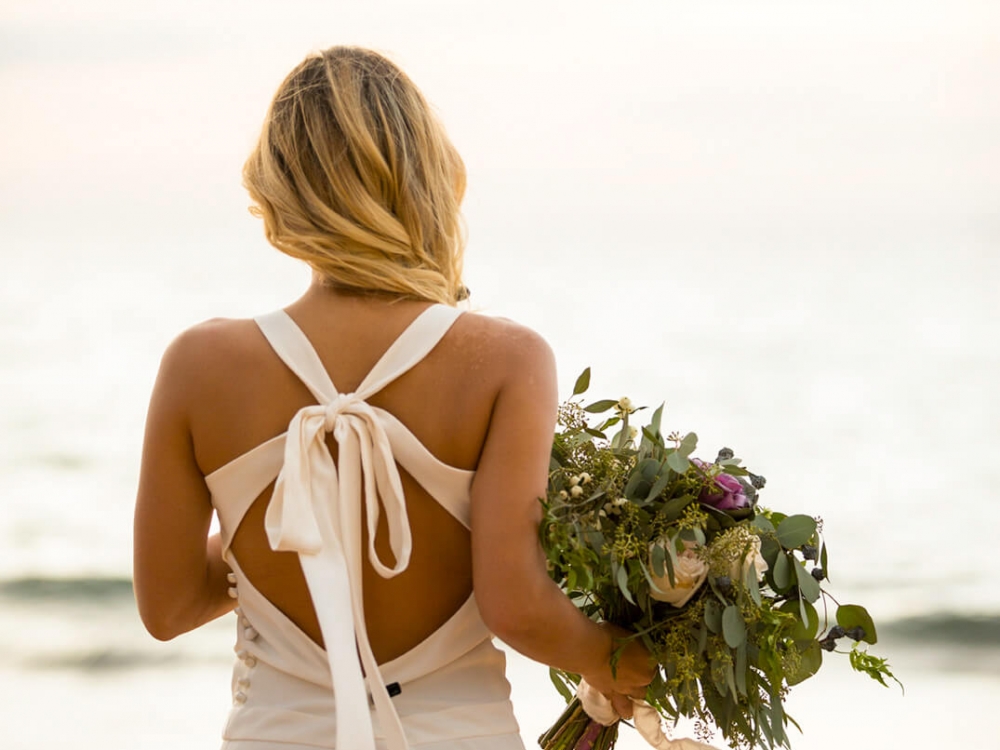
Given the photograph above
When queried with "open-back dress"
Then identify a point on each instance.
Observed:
(449, 691)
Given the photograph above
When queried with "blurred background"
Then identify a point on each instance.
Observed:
(779, 217)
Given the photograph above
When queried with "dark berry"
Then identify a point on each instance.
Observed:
(835, 632)
(856, 633)
(757, 481)
(818, 574)
(724, 583)
(809, 552)
(828, 644)
(724, 455)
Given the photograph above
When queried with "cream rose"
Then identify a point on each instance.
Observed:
(689, 573)
(739, 567)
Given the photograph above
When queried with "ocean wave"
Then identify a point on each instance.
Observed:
(104, 660)
(83, 589)
(947, 629)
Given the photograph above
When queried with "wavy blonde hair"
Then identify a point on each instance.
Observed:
(354, 175)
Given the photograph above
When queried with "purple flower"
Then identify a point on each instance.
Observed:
(725, 492)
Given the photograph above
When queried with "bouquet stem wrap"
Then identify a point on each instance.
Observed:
(646, 718)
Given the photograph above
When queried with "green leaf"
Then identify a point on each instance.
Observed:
(782, 572)
(657, 559)
(661, 484)
(741, 669)
(677, 462)
(595, 433)
(600, 406)
(808, 586)
(621, 577)
(730, 682)
(582, 382)
(688, 444)
(854, 615)
(733, 629)
(769, 550)
(877, 669)
(654, 423)
(823, 561)
(805, 628)
(713, 616)
(761, 522)
(777, 720)
(751, 583)
(673, 508)
(795, 531)
(809, 664)
(557, 680)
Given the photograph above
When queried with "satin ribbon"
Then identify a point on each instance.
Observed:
(315, 510)
(646, 719)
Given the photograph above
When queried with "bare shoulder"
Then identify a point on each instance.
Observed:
(210, 352)
(504, 345)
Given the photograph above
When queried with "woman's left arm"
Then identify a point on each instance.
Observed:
(178, 572)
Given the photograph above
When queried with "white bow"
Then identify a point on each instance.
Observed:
(316, 511)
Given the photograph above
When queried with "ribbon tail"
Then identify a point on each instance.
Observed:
(330, 589)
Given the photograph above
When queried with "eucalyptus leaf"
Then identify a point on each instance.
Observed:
(557, 680)
(782, 572)
(713, 616)
(810, 662)
(688, 444)
(733, 629)
(854, 615)
(751, 583)
(761, 522)
(621, 577)
(677, 462)
(654, 423)
(805, 627)
(808, 586)
(657, 560)
(731, 681)
(661, 484)
(600, 406)
(777, 720)
(795, 531)
(823, 561)
(741, 669)
(582, 382)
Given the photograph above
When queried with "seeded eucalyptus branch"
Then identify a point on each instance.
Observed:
(721, 590)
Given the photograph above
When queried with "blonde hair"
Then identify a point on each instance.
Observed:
(354, 175)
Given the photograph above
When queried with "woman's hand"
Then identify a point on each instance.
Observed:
(633, 672)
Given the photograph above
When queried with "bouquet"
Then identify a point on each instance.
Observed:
(728, 596)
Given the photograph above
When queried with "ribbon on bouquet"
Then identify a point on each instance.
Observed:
(646, 718)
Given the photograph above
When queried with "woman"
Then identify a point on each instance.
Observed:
(375, 456)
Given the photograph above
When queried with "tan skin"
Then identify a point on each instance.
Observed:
(484, 399)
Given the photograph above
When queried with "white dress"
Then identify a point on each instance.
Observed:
(448, 691)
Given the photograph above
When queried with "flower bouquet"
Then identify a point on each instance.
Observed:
(727, 595)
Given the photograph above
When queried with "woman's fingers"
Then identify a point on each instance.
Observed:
(622, 705)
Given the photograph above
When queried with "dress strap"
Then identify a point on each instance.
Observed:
(412, 345)
(318, 507)
(297, 352)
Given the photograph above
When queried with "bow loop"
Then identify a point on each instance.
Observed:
(316, 510)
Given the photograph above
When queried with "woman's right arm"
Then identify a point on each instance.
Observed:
(517, 599)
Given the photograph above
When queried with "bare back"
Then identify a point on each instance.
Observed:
(446, 401)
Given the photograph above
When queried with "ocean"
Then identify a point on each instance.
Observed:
(779, 220)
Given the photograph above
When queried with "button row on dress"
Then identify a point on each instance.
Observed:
(233, 593)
